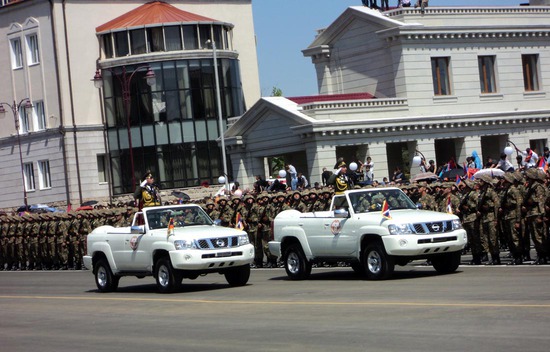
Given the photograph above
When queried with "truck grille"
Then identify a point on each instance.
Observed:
(433, 227)
(218, 242)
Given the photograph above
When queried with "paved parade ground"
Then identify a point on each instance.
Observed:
(478, 309)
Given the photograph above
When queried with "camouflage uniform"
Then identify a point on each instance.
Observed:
(251, 214)
(4, 226)
(533, 210)
(62, 241)
(470, 222)
(510, 216)
(51, 230)
(488, 211)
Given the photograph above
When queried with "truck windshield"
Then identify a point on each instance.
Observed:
(372, 200)
(178, 216)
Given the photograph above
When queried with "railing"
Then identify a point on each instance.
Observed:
(470, 10)
(352, 104)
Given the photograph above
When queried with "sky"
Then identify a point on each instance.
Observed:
(285, 27)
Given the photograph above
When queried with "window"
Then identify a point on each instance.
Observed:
(440, 75)
(33, 56)
(487, 76)
(173, 38)
(121, 44)
(137, 38)
(108, 45)
(16, 54)
(530, 72)
(29, 176)
(102, 167)
(24, 121)
(39, 118)
(155, 39)
(44, 174)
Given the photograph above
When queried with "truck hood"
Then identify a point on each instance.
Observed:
(201, 232)
(412, 216)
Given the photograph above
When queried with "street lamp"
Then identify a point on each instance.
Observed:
(509, 150)
(417, 160)
(15, 108)
(125, 80)
(219, 104)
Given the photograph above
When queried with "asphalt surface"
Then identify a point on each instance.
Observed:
(499, 308)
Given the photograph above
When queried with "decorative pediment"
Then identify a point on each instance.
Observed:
(14, 28)
(30, 23)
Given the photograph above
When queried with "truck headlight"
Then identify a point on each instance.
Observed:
(184, 244)
(243, 239)
(457, 224)
(400, 229)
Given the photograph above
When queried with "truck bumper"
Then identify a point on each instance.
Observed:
(212, 259)
(274, 248)
(425, 245)
(87, 261)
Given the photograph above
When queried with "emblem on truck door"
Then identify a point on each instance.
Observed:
(134, 243)
(335, 227)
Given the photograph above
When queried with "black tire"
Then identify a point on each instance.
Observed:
(168, 279)
(238, 276)
(297, 266)
(104, 278)
(446, 263)
(377, 263)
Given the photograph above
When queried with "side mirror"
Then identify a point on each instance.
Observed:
(418, 205)
(341, 213)
(217, 222)
(138, 230)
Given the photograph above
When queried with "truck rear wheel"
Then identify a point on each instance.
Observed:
(378, 264)
(446, 263)
(238, 276)
(168, 279)
(104, 278)
(297, 266)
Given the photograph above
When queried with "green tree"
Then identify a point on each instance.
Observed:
(276, 92)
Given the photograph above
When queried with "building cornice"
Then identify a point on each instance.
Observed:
(167, 56)
(429, 124)
(474, 33)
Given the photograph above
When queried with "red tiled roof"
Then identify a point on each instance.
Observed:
(151, 13)
(330, 97)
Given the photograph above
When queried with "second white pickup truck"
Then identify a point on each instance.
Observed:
(373, 229)
(169, 243)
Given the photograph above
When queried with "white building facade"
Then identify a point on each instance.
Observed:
(395, 84)
(73, 142)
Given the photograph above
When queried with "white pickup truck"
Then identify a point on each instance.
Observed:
(169, 243)
(373, 229)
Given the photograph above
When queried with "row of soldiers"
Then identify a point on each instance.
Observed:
(52, 241)
(505, 212)
(254, 214)
(508, 212)
(497, 213)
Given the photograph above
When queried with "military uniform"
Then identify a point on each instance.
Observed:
(533, 211)
(470, 221)
(487, 210)
(510, 215)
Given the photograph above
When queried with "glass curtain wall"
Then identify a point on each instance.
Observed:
(173, 124)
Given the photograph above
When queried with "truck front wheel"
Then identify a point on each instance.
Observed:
(297, 266)
(446, 263)
(168, 279)
(104, 278)
(238, 276)
(378, 264)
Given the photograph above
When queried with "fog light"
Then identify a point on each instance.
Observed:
(402, 242)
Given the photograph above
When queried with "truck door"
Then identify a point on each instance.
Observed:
(342, 243)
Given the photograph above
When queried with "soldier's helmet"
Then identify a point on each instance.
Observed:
(509, 177)
(486, 178)
(535, 174)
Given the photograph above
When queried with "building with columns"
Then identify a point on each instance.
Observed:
(77, 142)
(443, 83)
